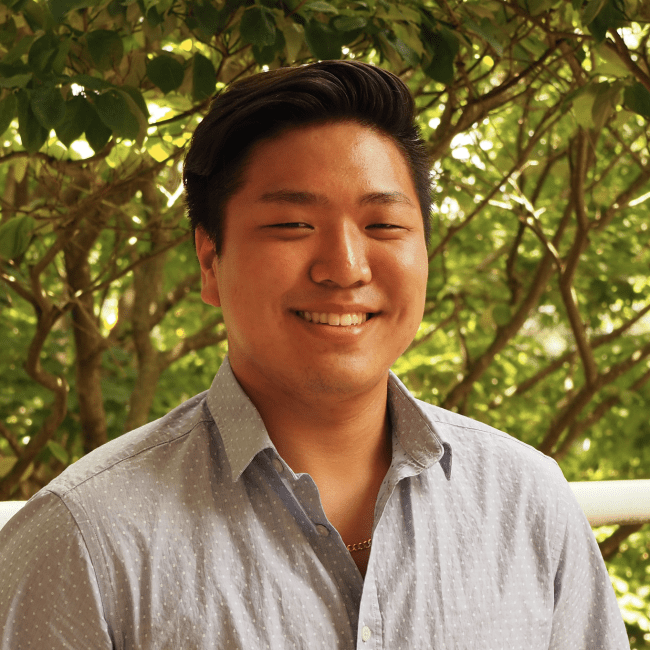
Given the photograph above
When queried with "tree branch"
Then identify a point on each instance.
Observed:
(597, 414)
(506, 332)
(570, 413)
(610, 546)
(10, 438)
(621, 49)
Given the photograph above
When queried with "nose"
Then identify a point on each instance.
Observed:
(342, 257)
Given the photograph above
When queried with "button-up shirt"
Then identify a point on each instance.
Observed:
(192, 533)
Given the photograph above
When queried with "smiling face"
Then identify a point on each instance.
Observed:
(322, 276)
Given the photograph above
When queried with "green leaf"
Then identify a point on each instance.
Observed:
(14, 5)
(18, 50)
(637, 99)
(37, 16)
(8, 31)
(114, 112)
(294, 38)
(60, 8)
(116, 8)
(321, 6)
(58, 63)
(583, 104)
(266, 55)
(323, 41)
(605, 101)
(91, 83)
(7, 464)
(207, 17)
(43, 52)
(591, 10)
(443, 45)
(97, 133)
(77, 117)
(136, 121)
(105, 47)
(58, 451)
(7, 112)
(16, 81)
(137, 97)
(502, 314)
(48, 106)
(408, 54)
(257, 26)
(610, 17)
(536, 7)
(32, 133)
(15, 236)
(165, 72)
(349, 23)
(154, 18)
(204, 78)
(488, 32)
(609, 63)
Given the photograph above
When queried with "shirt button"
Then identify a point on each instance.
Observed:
(365, 633)
(279, 467)
(322, 530)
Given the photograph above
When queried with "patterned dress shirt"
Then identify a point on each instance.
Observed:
(192, 533)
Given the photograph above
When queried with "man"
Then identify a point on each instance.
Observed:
(307, 500)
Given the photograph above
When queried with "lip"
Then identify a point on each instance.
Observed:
(354, 318)
(338, 308)
(338, 332)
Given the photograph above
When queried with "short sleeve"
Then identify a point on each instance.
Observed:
(586, 614)
(49, 596)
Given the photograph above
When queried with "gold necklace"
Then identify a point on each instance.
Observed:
(360, 546)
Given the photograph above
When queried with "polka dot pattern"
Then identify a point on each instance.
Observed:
(192, 532)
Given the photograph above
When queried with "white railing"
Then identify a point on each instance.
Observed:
(614, 502)
(604, 502)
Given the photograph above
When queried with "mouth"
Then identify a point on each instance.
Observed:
(335, 320)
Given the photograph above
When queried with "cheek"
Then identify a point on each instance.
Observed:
(410, 271)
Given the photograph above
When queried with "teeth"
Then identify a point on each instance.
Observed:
(336, 320)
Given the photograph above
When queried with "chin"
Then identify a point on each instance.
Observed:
(343, 382)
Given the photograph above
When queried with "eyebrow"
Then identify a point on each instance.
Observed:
(311, 198)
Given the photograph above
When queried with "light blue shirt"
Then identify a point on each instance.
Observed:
(191, 533)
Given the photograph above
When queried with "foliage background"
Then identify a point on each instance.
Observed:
(536, 115)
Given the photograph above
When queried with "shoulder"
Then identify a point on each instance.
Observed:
(135, 448)
(479, 442)
(493, 470)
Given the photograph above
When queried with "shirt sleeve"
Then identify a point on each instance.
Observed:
(586, 614)
(49, 597)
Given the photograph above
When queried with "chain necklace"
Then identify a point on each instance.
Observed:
(360, 546)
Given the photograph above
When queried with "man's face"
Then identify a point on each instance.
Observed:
(326, 227)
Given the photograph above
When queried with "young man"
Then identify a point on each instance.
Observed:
(307, 500)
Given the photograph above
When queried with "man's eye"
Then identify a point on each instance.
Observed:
(384, 226)
(291, 224)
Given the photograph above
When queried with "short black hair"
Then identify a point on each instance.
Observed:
(264, 105)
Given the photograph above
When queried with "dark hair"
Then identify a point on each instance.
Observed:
(262, 106)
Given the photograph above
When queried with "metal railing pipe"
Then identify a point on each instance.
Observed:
(614, 502)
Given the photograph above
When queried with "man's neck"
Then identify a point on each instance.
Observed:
(326, 436)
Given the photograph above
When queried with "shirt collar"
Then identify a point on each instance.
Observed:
(419, 440)
(244, 435)
(241, 427)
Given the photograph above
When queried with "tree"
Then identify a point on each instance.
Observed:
(536, 115)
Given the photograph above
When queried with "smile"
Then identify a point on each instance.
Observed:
(336, 320)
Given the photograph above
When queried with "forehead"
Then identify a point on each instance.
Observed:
(317, 153)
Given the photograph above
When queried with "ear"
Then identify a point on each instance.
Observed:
(208, 260)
